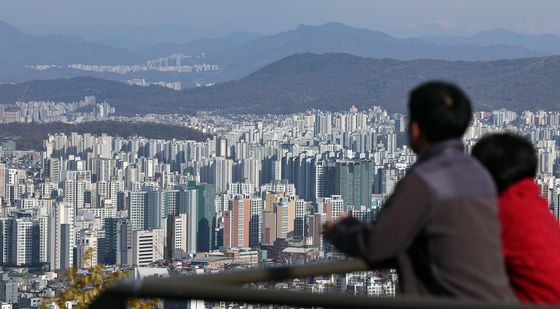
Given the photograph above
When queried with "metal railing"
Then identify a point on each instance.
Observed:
(227, 287)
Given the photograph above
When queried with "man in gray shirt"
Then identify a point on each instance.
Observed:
(439, 228)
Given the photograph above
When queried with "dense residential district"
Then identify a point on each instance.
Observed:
(255, 194)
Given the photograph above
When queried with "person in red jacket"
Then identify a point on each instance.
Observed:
(530, 234)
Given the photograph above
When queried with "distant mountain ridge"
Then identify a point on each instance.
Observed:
(326, 81)
(546, 43)
(338, 81)
(23, 49)
(237, 55)
(239, 60)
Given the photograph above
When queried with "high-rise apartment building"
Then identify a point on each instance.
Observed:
(353, 182)
(2, 182)
(137, 209)
(147, 246)
(188, 201)
(333, 207)
(62, 237)
(177, 239)
(206, 216)
(87, 249)
(285, 210)
(236, 227)
(24, 242)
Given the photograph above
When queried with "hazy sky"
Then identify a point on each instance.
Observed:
(207, 17)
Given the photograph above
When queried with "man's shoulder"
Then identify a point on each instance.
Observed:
(455, 176)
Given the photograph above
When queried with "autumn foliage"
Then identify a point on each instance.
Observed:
(84, 288)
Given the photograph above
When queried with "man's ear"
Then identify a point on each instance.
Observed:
(415, 137)
(415, 132)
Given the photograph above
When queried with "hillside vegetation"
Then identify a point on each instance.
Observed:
(31, 135)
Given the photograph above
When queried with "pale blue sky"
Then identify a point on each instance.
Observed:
(216, 17)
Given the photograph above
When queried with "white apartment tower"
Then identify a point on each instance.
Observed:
(87, 241)
(137, 209)
(62, 238)
(21, 238)
(147, 246)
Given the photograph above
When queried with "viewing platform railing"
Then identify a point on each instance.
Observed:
(227, 286)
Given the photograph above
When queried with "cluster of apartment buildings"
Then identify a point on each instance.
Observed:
(47, 111)
(254, 194)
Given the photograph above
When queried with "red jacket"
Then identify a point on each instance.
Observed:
(531, 243)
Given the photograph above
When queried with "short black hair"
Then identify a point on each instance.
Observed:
(508, 157)
(442, 110)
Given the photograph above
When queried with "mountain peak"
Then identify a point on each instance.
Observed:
(332, 27)
(8, 31)
(343, 29)
(335, 26)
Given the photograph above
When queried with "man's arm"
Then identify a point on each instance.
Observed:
(400, 220)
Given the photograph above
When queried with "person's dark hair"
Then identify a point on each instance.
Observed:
(508, 157)
(442, 110)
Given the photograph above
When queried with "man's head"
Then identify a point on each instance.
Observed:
(508, 157)
(438, 111)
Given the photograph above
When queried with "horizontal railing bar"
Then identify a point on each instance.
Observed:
(222, 287)
(131, 289)
(216, 292)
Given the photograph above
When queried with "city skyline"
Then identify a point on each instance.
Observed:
(178, 138)
(255, 193)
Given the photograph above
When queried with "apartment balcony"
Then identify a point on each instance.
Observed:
(228, 287)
